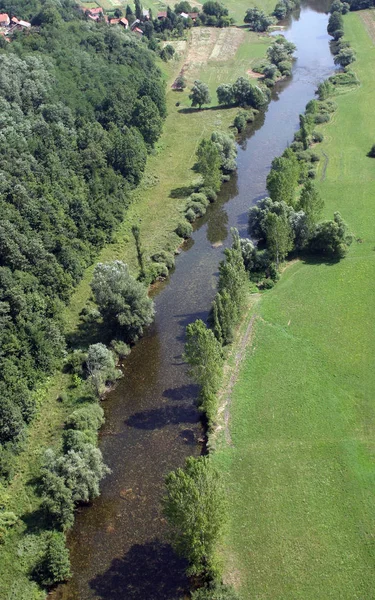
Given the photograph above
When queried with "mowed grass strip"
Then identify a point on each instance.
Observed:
(301, 472)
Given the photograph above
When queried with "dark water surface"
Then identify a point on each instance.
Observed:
(118, 547)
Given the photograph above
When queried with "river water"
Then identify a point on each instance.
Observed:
(118, 545)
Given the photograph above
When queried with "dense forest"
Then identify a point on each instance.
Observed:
(81, 105)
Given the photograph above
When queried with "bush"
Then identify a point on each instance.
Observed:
(120, 348)
(198, 208)
(87, 418)
(317, 137)
(210, 194)
(331, 238)
(371, 153)
(164, 257)
(76, 440)
(199, 198)
(122, 300)
(184, 230)
(321, 118)
(215, 591)
(54, 566)
(240, 121)
(156, 271)
(75, 361)
(285, 68)
(190, 215)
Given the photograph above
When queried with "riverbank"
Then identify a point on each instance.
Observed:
(300, 465)
(157, 208)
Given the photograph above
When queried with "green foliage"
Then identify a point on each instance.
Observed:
(344, 57)
(225, 94)
(331, 238)
(204, 356)
(240, 121)
(281, 50)
(71, 478)
(76, 100)
(7, 520)
(335, 22)
(199, 94)
(371, 152)
(86, 418)
(54, 565)
(216, 9)
(247, 94)
(283, 7)
(311, 203)
(279, 236)
(282, 180)
(258, 20)
(147, 119)
(215, 591)
(122, 300)
(226, 146)
(101, 367)
(195, 508)
(209, 164)
(184, 229)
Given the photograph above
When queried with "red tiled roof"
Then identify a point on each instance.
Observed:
(162, 14)
(124, 21)
(4, 18)
(96, 11)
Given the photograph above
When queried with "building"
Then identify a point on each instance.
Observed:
(162, 15)
(4, 20)
(124, 23)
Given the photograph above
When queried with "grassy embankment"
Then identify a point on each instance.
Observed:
(158, 212)
(300, 470)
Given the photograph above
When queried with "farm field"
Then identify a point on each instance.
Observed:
(300, 471)
(158, 210)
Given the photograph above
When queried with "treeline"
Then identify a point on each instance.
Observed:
(258, 20)
(81, 106)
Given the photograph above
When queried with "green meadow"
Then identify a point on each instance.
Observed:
(300, 471)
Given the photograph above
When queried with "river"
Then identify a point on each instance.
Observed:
(118, 545)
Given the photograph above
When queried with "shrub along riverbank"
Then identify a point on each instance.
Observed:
(299, 470)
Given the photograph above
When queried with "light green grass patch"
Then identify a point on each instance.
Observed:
(301, 473)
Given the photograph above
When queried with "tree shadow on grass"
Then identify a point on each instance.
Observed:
(183, 192)
(309, 259)
(151, 571)
(195, 109)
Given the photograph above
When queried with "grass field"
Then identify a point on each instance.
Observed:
(157, 209)
(300, 472)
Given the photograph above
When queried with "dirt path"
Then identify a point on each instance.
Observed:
(226, 396)
(368, 18)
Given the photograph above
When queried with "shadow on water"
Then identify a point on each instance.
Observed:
(157, 418)
(142, 575)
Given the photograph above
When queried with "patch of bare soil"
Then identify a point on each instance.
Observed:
(368, 18)
(211, 44)
(253, 74)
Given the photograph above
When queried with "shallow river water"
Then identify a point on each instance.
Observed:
(118, 547)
